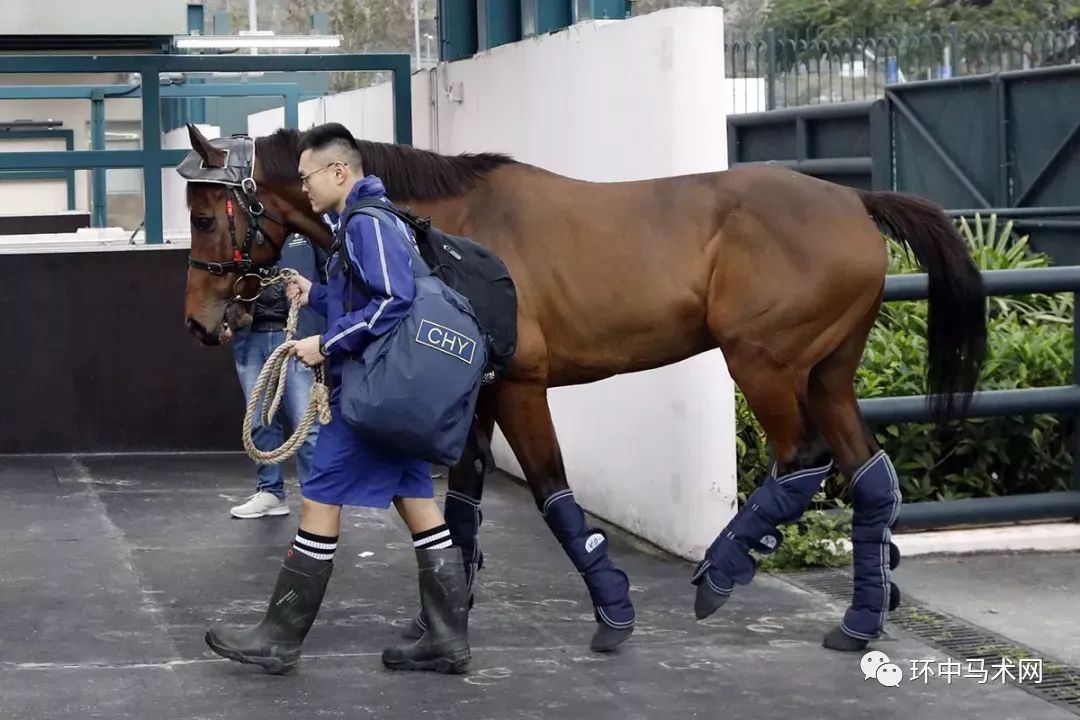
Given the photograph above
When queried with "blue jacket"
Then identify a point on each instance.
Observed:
(378, 256)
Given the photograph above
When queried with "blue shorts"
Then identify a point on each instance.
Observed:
(349, 469)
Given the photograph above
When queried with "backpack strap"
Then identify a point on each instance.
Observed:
(375, 208)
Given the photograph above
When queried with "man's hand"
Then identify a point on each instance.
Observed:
(307, 350)
(298, 285)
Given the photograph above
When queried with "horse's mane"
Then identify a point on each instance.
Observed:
(406, 172)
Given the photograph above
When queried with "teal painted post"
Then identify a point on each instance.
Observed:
(544, 16)
(97, 142)
(601, 9)
(194, 108)
(457, 29)
(153, 158)
(402, 100)
(499, 23)
(292, 108)
(69, 143)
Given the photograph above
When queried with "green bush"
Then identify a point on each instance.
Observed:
(1030, 345)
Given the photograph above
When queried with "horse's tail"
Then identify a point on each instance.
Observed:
(956, 332)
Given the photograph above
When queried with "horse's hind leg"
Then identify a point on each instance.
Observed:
(465, 486)
(525, 419)
(875, 493)
(802, 462)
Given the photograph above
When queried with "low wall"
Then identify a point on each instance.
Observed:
(99, 359)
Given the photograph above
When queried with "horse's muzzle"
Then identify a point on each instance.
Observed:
(206, 338)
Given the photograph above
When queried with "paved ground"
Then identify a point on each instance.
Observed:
(1030, 598)
(114, 566)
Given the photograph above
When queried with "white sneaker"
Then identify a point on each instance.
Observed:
(259, 505)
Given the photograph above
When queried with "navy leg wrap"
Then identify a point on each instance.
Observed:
(757, 527)
(876, 502)
(608, 586)
(463, 518)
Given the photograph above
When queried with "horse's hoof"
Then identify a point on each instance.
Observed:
(707, 601)
(839, 640)
(894, 597)
(608, 638)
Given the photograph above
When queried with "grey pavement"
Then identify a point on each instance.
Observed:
(114, 566)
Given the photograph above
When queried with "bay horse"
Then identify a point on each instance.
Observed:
(783, 272)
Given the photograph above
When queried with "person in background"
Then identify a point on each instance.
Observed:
(251, 348)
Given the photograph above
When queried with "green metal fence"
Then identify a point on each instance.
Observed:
(152, 157)
(769, 70)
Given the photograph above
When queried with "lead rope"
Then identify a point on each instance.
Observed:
(272, 380)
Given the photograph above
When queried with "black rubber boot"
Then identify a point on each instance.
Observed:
(444, 599)
(275, 642)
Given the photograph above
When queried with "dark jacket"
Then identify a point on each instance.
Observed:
(271, 310)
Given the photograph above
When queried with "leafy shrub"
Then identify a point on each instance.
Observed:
(1030, 345)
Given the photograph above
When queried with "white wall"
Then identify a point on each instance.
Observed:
(368, 113)
(607, 100)
(651, 452)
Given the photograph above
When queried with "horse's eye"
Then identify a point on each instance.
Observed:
(202, 224)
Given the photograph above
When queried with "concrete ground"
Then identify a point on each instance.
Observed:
(1030, 598)
(113, 567)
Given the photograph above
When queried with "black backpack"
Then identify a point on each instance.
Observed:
(472, 270)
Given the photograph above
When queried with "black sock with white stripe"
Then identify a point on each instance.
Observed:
(433, 539)
(319, 547)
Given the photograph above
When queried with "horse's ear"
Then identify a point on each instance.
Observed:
(211, 156)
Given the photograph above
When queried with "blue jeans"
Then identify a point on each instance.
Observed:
(250, 351)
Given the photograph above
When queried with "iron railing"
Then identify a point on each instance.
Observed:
(768, 70)
(150, 68)
(938, 514)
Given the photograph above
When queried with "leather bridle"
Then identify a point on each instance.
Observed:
(245, 197)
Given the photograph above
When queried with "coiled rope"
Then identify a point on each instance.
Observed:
(271, 381)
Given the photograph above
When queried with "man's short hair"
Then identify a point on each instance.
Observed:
(333, 140)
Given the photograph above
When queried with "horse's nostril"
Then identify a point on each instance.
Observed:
(195, 328)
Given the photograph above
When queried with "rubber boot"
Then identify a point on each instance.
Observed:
(444, 602)
(275, 642)
(463, 518)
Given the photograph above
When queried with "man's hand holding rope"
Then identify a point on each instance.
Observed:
(307, 350)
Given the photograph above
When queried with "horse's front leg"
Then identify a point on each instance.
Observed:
(525, 419)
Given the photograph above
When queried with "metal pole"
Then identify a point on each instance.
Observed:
(416, 29)
(97, 142)
(1076, 381)
(253, 20)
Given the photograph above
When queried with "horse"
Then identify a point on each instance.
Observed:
(781, 271)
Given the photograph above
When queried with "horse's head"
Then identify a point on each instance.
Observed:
(238, 226)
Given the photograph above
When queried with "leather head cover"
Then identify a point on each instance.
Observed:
(239, 161)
